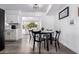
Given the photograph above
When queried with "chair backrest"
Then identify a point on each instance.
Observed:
(36, 34)
(57, 34)
(46, 36)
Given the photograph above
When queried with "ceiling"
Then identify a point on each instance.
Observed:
(55, 9)
(49, 9)
(24, 7)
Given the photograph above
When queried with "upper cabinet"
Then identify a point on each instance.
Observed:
(13, 19)
(13, 16)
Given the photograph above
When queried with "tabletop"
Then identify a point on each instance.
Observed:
(47, 31)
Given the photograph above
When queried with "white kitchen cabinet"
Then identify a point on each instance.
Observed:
(12, 35)
(13, 19)
(7, 35)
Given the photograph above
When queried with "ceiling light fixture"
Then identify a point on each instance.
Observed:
(35, 6)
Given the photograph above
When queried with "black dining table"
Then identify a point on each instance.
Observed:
(50, 33)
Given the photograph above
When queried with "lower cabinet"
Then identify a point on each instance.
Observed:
(11, 35)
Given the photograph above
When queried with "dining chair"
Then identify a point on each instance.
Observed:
(47, 36)
(37, 37)
(30, 34)
(56, 39)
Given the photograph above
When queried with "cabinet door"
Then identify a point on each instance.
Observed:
(7, 35)
(12, 18)
(2, 45)
(13, 35)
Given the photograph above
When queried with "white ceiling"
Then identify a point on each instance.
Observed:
(49, 9)
(24, 7)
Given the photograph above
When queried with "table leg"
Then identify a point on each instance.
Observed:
(47, 44)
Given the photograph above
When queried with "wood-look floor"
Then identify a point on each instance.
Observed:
(24, 46)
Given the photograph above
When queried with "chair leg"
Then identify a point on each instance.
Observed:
(52, 40)
(47, 45)
(56, 46)
(34, 45)
(39, 47)
(44, 43)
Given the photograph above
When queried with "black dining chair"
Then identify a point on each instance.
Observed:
(47, 37)
(56, 39)
(37, 37)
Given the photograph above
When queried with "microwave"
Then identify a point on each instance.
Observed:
(13, 27)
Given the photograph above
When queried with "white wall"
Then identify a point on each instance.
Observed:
(47, 22)
(69, 33)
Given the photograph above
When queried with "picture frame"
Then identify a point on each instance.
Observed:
(64, 13)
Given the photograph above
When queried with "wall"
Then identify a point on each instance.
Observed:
(69, 32)
(47, 22)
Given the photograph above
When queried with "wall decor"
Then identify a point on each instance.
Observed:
(64, 13)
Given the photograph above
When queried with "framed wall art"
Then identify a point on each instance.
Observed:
(64, 13)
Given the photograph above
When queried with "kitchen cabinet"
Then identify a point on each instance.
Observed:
(12, 35)
(13, 19)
